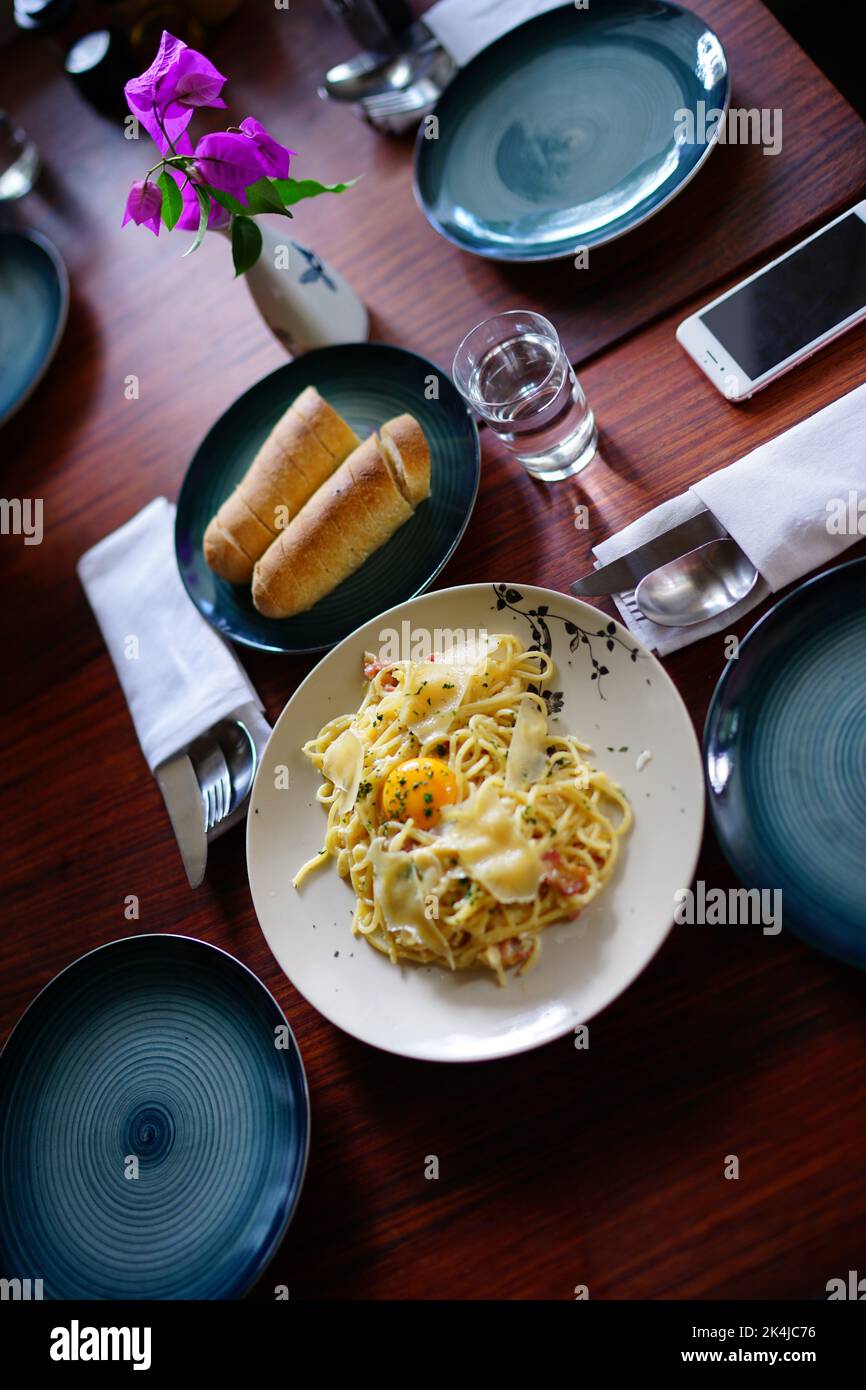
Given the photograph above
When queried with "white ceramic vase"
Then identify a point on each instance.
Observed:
(301, 298)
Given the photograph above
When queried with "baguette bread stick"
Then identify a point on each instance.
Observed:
(353, 513)
(293, 461)
(375, 496)
(407, 450)
(234, 564)
(238, 520)
(302, 450)
(328, 427)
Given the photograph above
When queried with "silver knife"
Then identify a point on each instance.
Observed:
(623, 574)
(182, 796)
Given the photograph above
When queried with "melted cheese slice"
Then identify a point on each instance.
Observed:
(527, 759)
(435, 689)
(486, 834)
(468, 652)
(401, 892)
(343, 765)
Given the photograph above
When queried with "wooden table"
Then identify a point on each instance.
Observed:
(560, 1167)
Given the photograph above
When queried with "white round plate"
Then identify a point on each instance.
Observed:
(611, 692)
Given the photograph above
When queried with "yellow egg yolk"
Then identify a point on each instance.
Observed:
(418, 789)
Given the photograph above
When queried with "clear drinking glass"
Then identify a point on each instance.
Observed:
(513, 371)
(19, 160)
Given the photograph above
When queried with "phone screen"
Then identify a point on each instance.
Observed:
(800, 299)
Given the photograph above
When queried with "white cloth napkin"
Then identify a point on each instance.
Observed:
(464, 27)
(778, 503)
(177, 673)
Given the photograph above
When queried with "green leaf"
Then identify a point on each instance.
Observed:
(172, 202)
(246, 244)
(263, 197)
(294, 190)
(227, 201)
(204, 214)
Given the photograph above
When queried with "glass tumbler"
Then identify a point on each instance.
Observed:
(514, 373)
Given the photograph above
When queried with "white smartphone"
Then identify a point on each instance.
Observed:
(784, 312)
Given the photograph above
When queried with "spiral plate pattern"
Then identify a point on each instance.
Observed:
(154, 1126)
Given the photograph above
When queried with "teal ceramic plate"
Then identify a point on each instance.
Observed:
(34, 300)
(155, 1126)
(785, 750)
(565, 132)
(367, 383)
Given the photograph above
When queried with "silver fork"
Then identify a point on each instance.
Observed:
(422, 94)
(212, 772)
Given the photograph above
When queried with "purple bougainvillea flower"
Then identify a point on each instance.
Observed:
(274, 155)
(163, 98)
(196, 81)
(230, 162)
(144, 205)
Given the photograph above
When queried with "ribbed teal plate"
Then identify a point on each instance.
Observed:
(155, 1126)
(569, 130)
(367, 383)
(785, 751)
(34, 300)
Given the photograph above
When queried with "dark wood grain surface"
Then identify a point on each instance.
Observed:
(560, 1167)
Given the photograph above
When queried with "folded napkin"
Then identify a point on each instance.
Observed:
(177, 674)
(778, 503)
(464, 27)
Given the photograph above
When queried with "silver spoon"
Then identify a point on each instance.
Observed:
(239, 749)
(371, 75)
(697, 586)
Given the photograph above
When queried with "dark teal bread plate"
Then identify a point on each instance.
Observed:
(568, 131)
(367, 383)
(34, 301)
(785, 753)
(155, 1126)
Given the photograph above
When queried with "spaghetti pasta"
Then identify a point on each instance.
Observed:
(464, 825)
